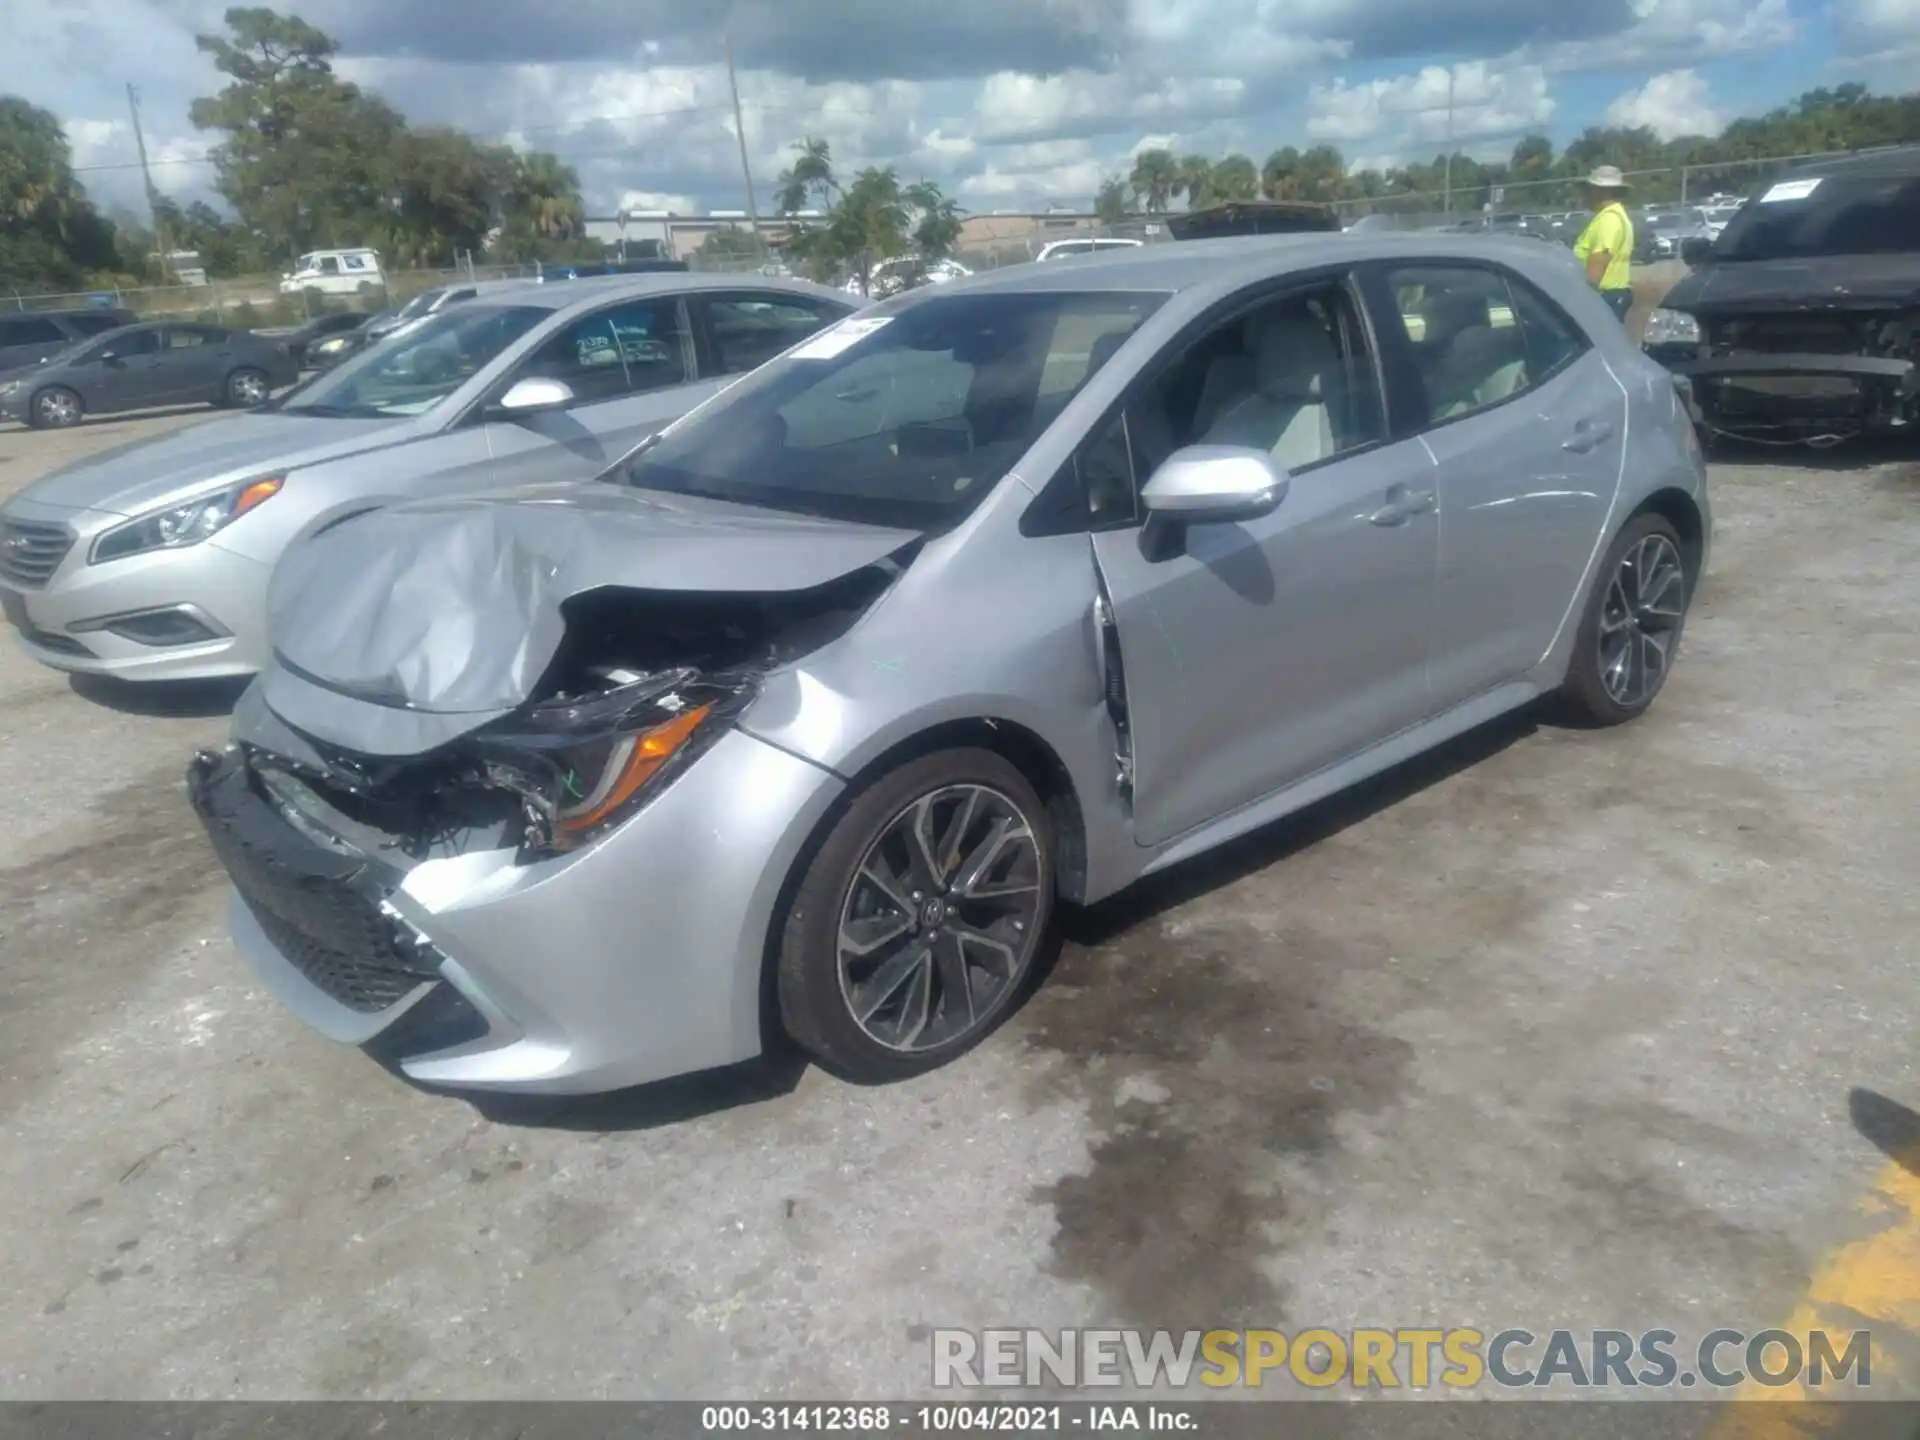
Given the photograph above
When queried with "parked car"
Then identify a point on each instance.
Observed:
(997, 595)
(335, 272)
(588, 269)
(29, 338)
(1800, 321)
(150, 562)
(1087, 245)
(908, 272)
(325, 353)
(137, 366)
(1252, 217)
(300, 342)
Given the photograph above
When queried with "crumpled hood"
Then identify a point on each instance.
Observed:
(452, 608)
(1836, 282)
(143, 474)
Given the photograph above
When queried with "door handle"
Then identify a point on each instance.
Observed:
(1588, 436)
(1402, 505)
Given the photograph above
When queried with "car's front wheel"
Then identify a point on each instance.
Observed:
(915, 924)
(54, 408)
(1630, 630)
(246, 388)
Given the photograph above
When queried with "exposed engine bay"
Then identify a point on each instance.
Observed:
(639, 686)
(1788, 375)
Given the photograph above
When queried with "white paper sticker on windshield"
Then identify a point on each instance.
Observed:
(835, 338)
(1790, 190)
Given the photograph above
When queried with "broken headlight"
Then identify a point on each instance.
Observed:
(585, 763)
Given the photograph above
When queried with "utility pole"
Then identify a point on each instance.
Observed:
(740, 133)
(146, 176)
(1446, 203)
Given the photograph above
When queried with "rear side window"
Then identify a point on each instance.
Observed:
(1478, 336)
(749, 330)
(30, 332)
(187, 337)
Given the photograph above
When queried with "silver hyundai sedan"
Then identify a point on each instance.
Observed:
(1003, 593)
(150, 561)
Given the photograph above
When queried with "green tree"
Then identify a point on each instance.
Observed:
(1155, 180)
(1321, 175)
(307, 159)
(809, 182)
(1196, 181)
(1114, 203)
(936, 222)
(1234, 178)
(1279, 177)
(52, 236)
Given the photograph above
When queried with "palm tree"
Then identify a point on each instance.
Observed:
(547, 193)
(809, 176)
(1196, 179)
(937, 229)
(1155, 179)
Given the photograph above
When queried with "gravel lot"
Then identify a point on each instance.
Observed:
(1554, 1029)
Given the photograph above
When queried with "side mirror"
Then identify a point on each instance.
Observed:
(1215, 482)
(1696, 249)
(107, 357)
(533, 395)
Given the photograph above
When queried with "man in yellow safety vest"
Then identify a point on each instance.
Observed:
(1605, 247)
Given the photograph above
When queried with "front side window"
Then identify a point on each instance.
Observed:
(905, 417)
(412, 370)
(749, 330)
(88, 325)
(139, 342)
(1290, 376)
(182, 337)
(633, 348)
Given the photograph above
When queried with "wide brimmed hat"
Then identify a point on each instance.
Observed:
(1607, 177)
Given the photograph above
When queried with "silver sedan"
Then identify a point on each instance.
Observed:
(1003, 593)
(151, 561)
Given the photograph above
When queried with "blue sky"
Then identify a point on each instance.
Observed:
(1008, 103)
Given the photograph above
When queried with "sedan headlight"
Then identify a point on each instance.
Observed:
(185, 524)
(1671, 327)
(331, 347)
(8, 387)
(584, 764)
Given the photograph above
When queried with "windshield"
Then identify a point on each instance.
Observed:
(1801, 219)
(905, 419)
(412, 370)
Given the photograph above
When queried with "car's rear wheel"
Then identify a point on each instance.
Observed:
(246, 388)
(55, 408)
(1630, 631)
(915, 924)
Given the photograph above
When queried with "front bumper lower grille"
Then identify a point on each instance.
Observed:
(322, 908)
(30, 551)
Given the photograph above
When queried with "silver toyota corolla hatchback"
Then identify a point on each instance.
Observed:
(1004, 593)
(150, 561)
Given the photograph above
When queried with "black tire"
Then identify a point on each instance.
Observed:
(244, 388)
(1596, 692)
(54, 408)
(814, 1008)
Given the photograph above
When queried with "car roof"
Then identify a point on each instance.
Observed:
(1226, 264)
(1891, 162)
(591, 290)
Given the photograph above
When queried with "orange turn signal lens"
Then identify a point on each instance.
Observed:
(258, 491)
(636, 762)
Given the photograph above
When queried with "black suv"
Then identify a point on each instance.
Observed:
(28, 337)
(1802, 321)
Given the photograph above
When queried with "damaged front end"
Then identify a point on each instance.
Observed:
(393, 851)
(1800, 376)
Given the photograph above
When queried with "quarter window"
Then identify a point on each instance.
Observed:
(1478, 336)
(628, 350)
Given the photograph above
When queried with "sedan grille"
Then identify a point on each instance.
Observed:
(317, 905)
(30, 551)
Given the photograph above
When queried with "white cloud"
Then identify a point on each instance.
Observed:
(654, 200)
(1882, 39)
(1482, 100)
(1666, 32)
(1671, 104)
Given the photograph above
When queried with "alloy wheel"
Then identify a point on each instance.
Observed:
(940, 918)
(247, 387)
(57, 408)
(1640, 620)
